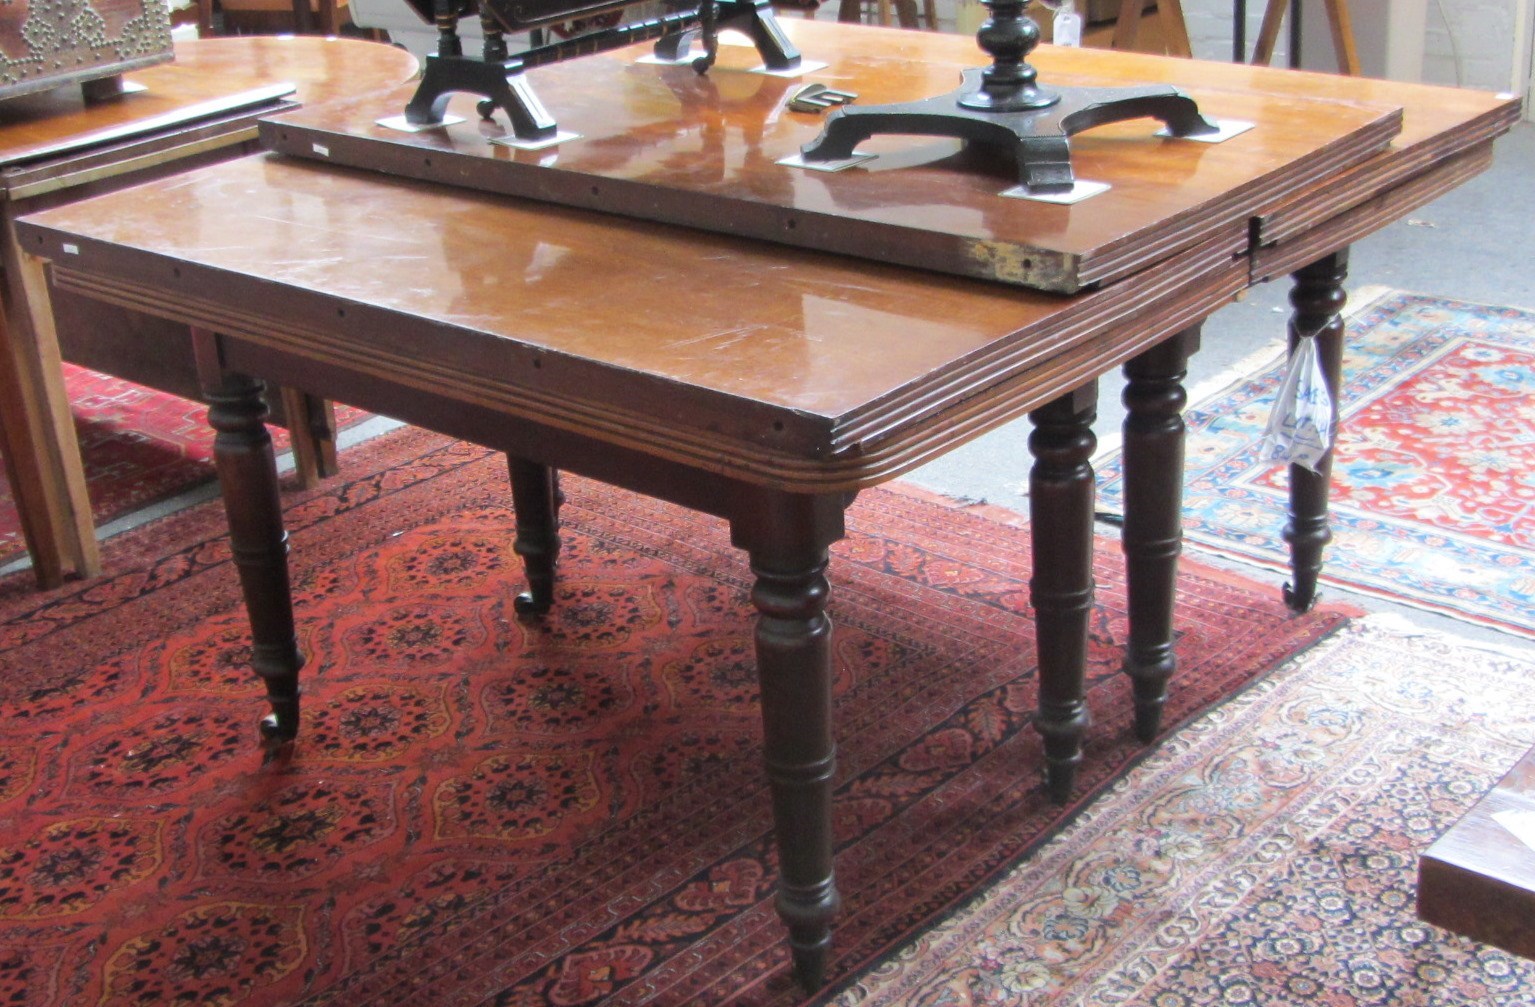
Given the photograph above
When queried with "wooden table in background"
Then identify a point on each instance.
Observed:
(759, 382)
(54, 148)
(1478, 879)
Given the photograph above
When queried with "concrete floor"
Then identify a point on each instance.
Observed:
(1472, 244)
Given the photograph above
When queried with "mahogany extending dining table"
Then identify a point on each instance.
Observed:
(767, 382)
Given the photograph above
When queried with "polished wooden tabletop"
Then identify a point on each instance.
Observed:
(664, 142)
(780, 365)
(208, 76)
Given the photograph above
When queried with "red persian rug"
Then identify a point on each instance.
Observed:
(1433, 501)
(482, 811)
(139, 447)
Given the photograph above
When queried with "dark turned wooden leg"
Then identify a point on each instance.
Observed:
(787, 536)
(1153, 529)
(1061, 528)
(247, 469)
(1318, 297)
(536, 499)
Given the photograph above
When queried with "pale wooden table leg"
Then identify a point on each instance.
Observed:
(1170, 24)
(786, 536)
(40, 432)
(311, 434)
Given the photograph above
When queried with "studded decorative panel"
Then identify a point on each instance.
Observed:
(46, 43)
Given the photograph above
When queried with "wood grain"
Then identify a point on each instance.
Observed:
(664, 143)
(781, 366)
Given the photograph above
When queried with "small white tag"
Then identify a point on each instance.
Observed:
(320, 149)
(1520, 822)
(1066, 28)
(1300, 427)
(71, 249)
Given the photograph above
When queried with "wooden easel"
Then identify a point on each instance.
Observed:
(1342, 34)
(1127, 26)
(1176, 33)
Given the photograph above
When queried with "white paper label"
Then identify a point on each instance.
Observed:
(1066, 29)
(1300, 427)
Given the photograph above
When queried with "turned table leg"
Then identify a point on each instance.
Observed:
(536, 500)
(786, 536)
(247, 470)
(1061, 528)
(1153, 528)
(1318, 297)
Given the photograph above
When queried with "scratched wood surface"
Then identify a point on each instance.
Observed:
(664, 143)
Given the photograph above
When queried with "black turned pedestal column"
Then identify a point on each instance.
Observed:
(787, 536)
(1004, 106)
(1061, 529)
(536, 501)
(1153, 526)
(1318, 297)
(247, 470)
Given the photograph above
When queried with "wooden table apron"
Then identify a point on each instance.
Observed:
(762, 384)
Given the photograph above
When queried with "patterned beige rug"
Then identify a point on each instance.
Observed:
(1266, 855)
